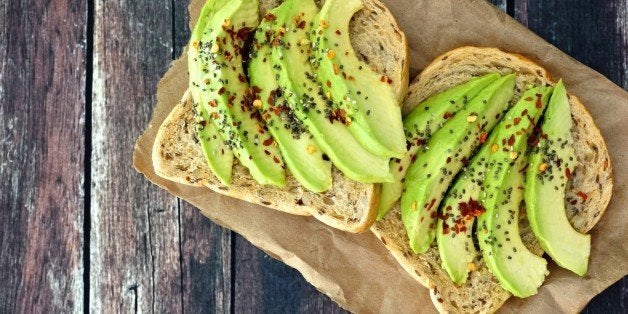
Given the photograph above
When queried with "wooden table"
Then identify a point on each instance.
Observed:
(81, 230)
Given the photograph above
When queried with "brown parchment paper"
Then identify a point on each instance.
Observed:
(356, 270)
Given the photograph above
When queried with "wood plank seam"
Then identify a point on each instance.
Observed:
(87, 188)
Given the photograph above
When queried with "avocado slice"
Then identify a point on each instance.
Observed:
(551, 163)
(429, 176)
(301, 153)
(218, 155)
(458, 212)
(367, 98)
(419, 125)
(223, 82)
(297, 79)
(518, 270)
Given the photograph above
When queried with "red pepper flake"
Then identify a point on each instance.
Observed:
(383, 79)
(524, 112)
(328, 83)
(464, 161)
(448, 159)
(517, 120)
(267, 152)
(213, 103)
(221, 90)
(448, 115)
(483, 137)
(583, 196)
(276, 160)
(268, 141)
(243, 33)
(433, 215)
(270, 17)
(420, 141)
(511, 140)
(428, 207)
(539, 103)
(605, 164)
(568, 174)
(472, 208)
(338, 32)
(241, 77)
(301, 25)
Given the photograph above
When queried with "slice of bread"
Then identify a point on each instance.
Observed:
(482, 292)
(348, 205)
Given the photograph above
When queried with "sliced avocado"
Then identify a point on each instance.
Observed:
(218, 155)
(518, 270)
(458, 212)
(366, 97)
(550, 166)
(419, 125)
(300, 152)
(225, 91)
(306, 98)
(448, 150)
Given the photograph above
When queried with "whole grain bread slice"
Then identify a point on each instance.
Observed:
(348, 205)
(587, 197)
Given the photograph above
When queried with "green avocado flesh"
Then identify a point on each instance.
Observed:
(290, 58)
(218, 155)
(519, 271)
(301, 153)
(425, 119)
(363, 98)
(224, 91)
(458, 211)
(550, 166)
(446, 152)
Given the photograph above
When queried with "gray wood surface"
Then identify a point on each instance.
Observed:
(42, 115)
(81, 230)
(135, 256)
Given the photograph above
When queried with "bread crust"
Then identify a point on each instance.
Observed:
(349, 205)
(482, 292)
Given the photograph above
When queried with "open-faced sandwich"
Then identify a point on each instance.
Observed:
(298, 106)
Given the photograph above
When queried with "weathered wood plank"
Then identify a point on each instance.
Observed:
(206, 264)
(595, 33)
(135, 244)
(265, 285)
(42, 75)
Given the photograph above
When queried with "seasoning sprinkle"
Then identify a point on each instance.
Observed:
(257, 103)
(471, 266)
(543, 167)
(311, 149)
(472, 118)
(513, 155)
(494, 148)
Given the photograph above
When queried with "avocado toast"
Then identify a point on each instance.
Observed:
(586, 197)
(348, 204)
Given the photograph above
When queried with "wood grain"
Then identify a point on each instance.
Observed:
(135, 245)
(42, 80)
